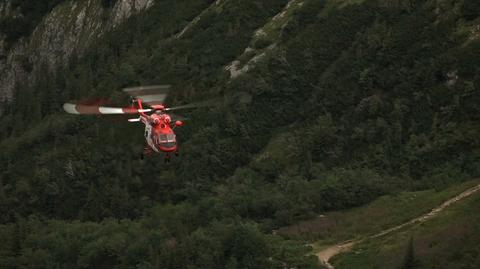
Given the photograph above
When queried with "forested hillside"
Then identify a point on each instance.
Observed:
(325, 105)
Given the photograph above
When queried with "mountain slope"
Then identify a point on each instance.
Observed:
(327, 254)
(342, 102)
(447, 240)
(45, 35)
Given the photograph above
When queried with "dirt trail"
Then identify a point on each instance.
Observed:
(326, 254)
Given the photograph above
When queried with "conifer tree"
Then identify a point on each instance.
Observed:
(410, 260)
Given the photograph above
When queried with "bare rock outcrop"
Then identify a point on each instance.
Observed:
(67, 30)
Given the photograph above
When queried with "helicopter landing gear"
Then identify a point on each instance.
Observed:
(147, 151)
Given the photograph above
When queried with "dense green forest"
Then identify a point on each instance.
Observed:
(355, 99)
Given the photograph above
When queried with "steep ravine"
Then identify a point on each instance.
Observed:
(68, 29)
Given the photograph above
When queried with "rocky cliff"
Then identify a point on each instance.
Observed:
(67, 30)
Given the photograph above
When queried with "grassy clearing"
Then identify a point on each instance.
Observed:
(381, 214)
(450, 240)
(336, 4)
(266, 37)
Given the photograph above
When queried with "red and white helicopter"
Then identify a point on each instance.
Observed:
(159, 126)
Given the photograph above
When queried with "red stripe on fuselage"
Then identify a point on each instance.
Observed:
(172, 149)
(130, 110)
(87, 109)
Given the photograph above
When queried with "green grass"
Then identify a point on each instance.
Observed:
(336, 4)
(449, 240)
(383, 213)
(270, 33)
(274, 27)
(280, 149)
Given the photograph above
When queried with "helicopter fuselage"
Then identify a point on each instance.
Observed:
(159, 134)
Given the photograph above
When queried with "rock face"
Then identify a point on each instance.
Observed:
(69, 29)
(125, 8)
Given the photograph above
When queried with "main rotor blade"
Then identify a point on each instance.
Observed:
(207, 103)
(96, 110)
(151, 95)
(141, 89)
(175, 117)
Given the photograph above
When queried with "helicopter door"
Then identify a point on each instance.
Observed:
(148, 137)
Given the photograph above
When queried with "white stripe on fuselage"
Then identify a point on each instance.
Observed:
(148, 136)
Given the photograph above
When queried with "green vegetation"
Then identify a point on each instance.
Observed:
(161, 239)
(410, 261)
(108, 3)
(381, 214)
(450, 240)
(29, 14)
(358, 99)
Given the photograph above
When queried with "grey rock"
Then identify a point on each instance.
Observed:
(67, 30)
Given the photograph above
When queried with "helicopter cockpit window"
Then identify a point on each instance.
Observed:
(171, 138)
(162, 138)
(166, 138)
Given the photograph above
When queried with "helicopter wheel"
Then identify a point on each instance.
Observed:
(147, 151)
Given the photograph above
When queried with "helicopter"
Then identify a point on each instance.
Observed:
(159, 123)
